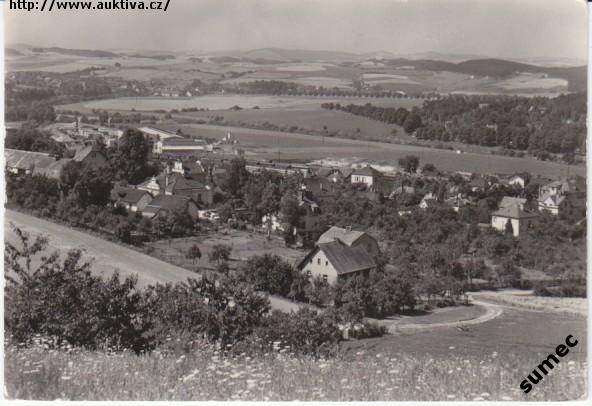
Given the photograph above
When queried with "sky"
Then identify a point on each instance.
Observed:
(494, 28)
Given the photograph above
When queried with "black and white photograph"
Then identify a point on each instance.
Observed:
(295, 200)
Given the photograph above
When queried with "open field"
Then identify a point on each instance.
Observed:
(515, 332)
(292, 146)
(225, 102)
(524, 81)
(40, 374)
(526, 300)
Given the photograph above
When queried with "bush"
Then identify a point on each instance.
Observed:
(367, 330)
(64, 300)
(226, 311)
(304, 331)
(269, 273)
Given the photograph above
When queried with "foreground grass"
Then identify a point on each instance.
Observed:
(43, 374)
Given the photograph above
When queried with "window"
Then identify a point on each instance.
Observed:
(308, 274)
(325, 278)
(318, 261)
(326, 263)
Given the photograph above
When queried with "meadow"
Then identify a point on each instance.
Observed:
(292, 146)
(45, 374)
(227, 101)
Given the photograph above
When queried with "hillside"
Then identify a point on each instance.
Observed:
(91, 53)
(498, 68)
(12, 52)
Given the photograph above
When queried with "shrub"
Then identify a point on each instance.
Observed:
(367, 330)
(269, 273)
(223, 310)
(304, 331)
(64, 300)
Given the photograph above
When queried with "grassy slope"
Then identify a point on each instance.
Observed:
(41, 374)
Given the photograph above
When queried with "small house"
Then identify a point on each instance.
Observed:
(513, 216)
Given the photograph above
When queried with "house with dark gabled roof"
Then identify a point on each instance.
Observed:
(129, 198)
(335, 261)
(164, 205)
(351, 238)
(90, 155)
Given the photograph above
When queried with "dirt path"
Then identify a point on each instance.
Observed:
(491, 312)
(109, 257)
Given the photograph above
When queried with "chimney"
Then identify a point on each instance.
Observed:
(348, 229)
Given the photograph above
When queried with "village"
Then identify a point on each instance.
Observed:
(191, 181)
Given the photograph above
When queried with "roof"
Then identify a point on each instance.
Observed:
(168, 202)
(157, 131)
(326, 171)
(509, 201)
(366, 171)
(82, 153)
(127, 194)
(347, 237)
(26, 160)
(514, 212)
(347, 259)
(54, 170)
(182, 142)
(346, 172)
(556, 199)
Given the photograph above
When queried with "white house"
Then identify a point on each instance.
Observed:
(514, 215)
(340, 254)
(367, 175)
(517, 180)
(551, 203)
(558, 187)
(429, 200)
(335, 261)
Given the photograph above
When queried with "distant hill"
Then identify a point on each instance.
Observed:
(12, 52)
(78, 52)
(498, 68)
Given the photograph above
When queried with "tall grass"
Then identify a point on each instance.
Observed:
(44, 374)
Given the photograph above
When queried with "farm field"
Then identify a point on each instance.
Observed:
(205, 375)
(264, 144)
(225, 102)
